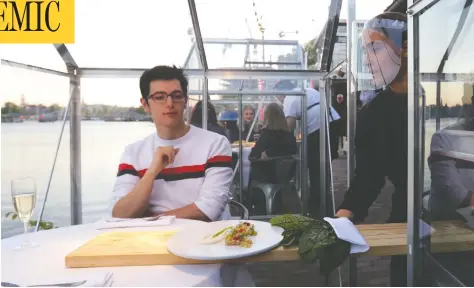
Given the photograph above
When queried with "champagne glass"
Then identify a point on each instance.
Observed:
(24, 200)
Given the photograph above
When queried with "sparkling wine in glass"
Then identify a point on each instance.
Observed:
(24, 200)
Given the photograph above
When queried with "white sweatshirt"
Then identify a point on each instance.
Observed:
(201, 173)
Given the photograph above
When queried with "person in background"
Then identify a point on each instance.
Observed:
(381, 139)
(212, 124)
(178, 170)
(249, 115)
(228, 120)
(341, 125)
(275, 140)
(292, 110)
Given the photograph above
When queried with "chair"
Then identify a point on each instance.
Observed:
(239, 206)
(286, 168)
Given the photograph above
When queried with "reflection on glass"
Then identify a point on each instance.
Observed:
(451, 163)
(449, 134)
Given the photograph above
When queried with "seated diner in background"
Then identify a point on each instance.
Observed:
(228, 119)
(275, 140)
(212, 124)
(180, 169)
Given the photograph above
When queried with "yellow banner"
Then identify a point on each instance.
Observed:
(37, 21)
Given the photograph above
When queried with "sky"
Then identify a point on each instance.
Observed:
(145, 33)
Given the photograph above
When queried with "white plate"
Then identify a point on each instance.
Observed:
(186, 243)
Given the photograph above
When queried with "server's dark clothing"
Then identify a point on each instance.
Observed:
(247, 131)
(313, 171)
(381, 150)
(275, 143)
(233, 133)
(341, 109)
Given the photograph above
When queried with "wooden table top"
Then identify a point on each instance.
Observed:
(391, 239)
(139, 248)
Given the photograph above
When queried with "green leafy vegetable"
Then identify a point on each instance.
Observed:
(294, 226)
(316, 239)
(333, 256)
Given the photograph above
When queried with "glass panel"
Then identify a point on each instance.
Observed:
(281, 55)
(41, 55)
(163, 38)
(29, 144)
(193, 61)
(225, 54)
(365, 9)
(302, 21)
(262, 153)
(449, 134)
(112, 106)
(244, 19)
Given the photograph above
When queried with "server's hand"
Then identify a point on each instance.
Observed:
(345, 213)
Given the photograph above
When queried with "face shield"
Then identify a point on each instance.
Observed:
(378, 56)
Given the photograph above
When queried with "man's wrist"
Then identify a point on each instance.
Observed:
(152, 172)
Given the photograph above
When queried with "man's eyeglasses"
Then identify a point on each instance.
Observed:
(160, 97)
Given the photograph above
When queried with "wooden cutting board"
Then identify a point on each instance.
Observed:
(124, 249)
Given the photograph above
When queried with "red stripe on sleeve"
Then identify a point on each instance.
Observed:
(220, 159)
(125, 166)
(183, 169)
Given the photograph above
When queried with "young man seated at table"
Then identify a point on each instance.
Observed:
(180, 169)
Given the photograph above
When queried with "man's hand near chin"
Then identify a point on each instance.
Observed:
(190, 211)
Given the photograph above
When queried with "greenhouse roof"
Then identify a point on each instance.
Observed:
(127, 36)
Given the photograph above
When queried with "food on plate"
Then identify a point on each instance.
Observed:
(244, 143)
(239, 235)
(233, 236)
(215, 238)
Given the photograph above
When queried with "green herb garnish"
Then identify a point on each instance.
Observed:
(220, 232)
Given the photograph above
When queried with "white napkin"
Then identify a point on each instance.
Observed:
(345, 230)
(467, 213)
(425, 229)
(113, 223)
